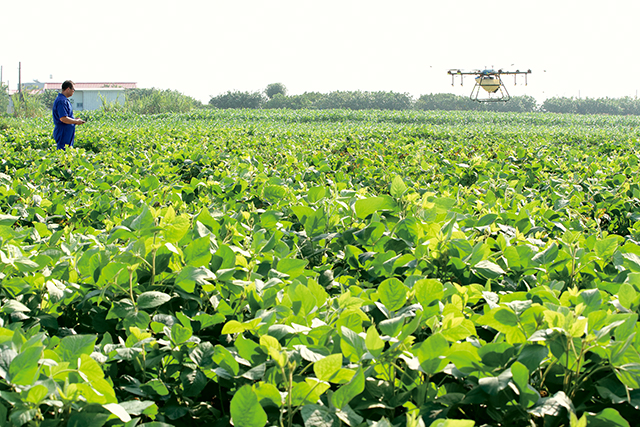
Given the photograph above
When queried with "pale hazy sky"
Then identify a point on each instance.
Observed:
(203, 48)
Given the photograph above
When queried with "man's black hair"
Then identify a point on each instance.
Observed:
(67, 84)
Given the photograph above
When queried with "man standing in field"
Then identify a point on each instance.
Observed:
(64, 125)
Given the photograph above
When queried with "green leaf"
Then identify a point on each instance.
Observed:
(140, 407)
(180, 334)
(198, 252)
(233, 327)
(608, 417)
(273, 349)
(393, 294)
(365, 207)
(488, 269)
(326, 368)
(493, 385)
(190, 276)
(73, 346)
(315, 194)
(350, 390)
(118, 411)
(605, 248)
(152, 299)
(291, 266)
(373, 342)
(24, 367)
(532, 356)
(193, 382)
(453, 423)
(90, 368)
(175, 229)
(35, 395)
(8, 220)
(505, 317)
(547, 256)
(352, 345)
(319, 416)
(246, 410)
(86, 419)
(427, 291)
(398, 187)
(429, 353)
(156, 386)
(121, 309)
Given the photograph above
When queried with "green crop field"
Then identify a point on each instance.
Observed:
(321, 268)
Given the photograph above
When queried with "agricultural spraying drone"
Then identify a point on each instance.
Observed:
(490, 81)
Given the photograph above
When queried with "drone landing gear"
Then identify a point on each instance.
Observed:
(494, 88)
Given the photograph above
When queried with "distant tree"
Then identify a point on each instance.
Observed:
(275, 89)
(238, 99)
(4, 99)
(156, 101)
(48, 97)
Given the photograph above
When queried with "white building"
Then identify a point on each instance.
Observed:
(88, 96)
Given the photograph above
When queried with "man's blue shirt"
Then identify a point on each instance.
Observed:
(62, 132)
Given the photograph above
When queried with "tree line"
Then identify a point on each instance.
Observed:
(275, 96)
(154, 101)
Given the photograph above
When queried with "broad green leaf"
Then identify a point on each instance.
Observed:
(547, 256)
(85, 419)
(453, 423)
(175, 229)
(352, 345)
(144, 220)
(73, 346)
(273, 349)
(430, 353)
(90, 368)
(292, 267)
(118, 411)
(348, 391)
(193, 382)
(427, 291)
(488, 269)
(392, 293)
(24, 367)
(198, 253)
(365, 207)
(319, 416)
(608, 417)
(315, 194)
(232, 327)
(152, 299)
(140, 407)
(36, 394)
(605, 248)
(326, 368)
(373, 342)
(190, 276)
(267, 394)
(494, 385)
(398, 187)
(246, 410)
(180, 334)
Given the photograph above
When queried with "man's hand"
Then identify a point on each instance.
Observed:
(70, 121)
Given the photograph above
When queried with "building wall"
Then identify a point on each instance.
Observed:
(85, 99)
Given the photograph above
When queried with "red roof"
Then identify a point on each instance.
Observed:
(93, 85)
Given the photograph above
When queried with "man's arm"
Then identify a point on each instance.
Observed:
(70, 121)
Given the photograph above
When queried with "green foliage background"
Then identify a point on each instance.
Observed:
(319, 268)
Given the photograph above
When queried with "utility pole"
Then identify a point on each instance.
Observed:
(20, 81)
